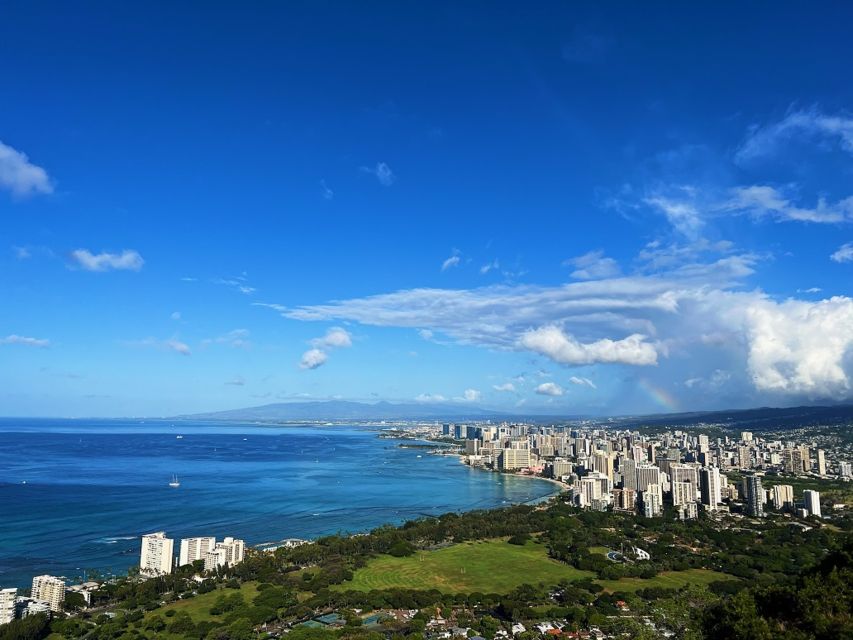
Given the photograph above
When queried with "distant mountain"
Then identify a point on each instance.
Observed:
(759, 419)
(347, 410)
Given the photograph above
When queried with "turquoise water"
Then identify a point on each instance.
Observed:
(76, 495)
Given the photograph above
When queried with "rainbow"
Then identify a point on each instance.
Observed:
(658, 395)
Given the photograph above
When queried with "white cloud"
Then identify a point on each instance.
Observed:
(843, 254)
(552, 342)
(238, 283)
(20, 176)
(127, 260)
(383, 173)
(506, 386)
(767, 140)
(683, 215)
(236, 381)
(25, 341)
(802, 347)
(176, 315)
(426, 334)
(549, 389)
(178, 347)
(489, 266)
(764, 201)
(328, 194)
(313, 358)
(22, 253)
(336, 337)
(430, 397)
(810, 290)
(582, 382)
(452, 261)
(471, 395)
(593, 266)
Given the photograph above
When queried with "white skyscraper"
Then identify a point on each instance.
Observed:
(811, 501)
(821, 462)
(230, 551)
(7, 604)
(193, 549)
(49, 589)
(155, 558)
(782, 496)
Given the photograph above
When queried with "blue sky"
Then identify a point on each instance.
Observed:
(580, 208)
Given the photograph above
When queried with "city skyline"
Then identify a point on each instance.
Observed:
(567, 210)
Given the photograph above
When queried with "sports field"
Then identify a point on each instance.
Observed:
(487, 566)
(666, 580)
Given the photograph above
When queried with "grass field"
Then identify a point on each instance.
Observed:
(199, 607)
(666, 580)
(488, 566)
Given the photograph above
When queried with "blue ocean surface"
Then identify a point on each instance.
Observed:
(75, 495)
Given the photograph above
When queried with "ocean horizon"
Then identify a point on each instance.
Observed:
(76, 494)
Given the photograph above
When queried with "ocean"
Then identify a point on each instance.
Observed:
(75, 495)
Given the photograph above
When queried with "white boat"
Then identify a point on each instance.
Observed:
(179, 437)
(174, 483)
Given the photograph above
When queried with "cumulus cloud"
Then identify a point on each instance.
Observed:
(127, 260)
(471, 395)
(178, 347)
(593, 266)
(382, 172)
(549, 389)
(426, 334)
(582, 382)
(799, 347)
(552, 342)
(335, 338)
(452, 261)
(25, 341)
(20, 176)
(682, 214)
(843, 254)
(313, 358)
(506, 386)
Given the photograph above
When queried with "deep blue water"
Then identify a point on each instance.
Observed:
(76, 494)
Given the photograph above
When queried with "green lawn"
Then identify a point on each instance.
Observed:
(199, 607)
(666, 580)
(487, 566)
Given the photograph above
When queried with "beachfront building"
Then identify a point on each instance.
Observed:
(511, 459)
(155, 558)
(193, 549)
(50, 590)
(8, 600)
(229, 552)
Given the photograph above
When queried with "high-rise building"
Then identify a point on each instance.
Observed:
(746, 436)
(845, 469)
(155, 558)
(709, 481)
(229, 552)
(8, 601)
(683, 493)
(811, 502)
(652, 500)
(647, 474)
(512, 458)
(49, 589)
(782, 496)
(193, 549)
(754, 493)
(821, 462)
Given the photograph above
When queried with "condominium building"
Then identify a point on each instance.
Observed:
(647, 474)
(811, 502)
(49, 589)
(652, 500)
(683, 493)
(8, 599)
(782, 496)
(193, 549)
(821, 462)
(709, 482)
(155, 558)
(845, 469)
(229, 552)
(754, 493)
(510, 459)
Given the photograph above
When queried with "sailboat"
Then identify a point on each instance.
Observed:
(174, 483)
